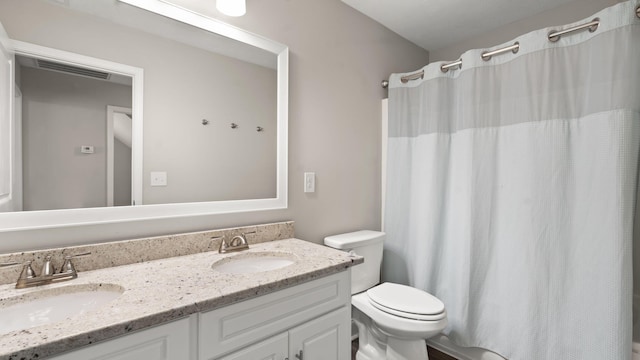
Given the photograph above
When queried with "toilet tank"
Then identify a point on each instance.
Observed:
(365, 243)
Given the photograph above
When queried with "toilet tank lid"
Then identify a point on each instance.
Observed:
(354, 239)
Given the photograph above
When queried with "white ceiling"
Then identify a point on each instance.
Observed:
(435, 24)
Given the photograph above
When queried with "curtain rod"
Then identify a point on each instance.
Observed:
(553, 36)
(487, 55)
(455, 65)
(592, 26)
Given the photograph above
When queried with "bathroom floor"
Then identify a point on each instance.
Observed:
(433, 353)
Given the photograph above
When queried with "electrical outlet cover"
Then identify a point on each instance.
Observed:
(158, 178)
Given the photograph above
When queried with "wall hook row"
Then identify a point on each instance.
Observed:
(233, 125)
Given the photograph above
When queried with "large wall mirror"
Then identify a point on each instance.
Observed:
(136, 109)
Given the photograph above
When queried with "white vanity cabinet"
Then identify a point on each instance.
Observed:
(274, 348)
(314, 317)
(311, 320)
(326, 337)
(170, 341)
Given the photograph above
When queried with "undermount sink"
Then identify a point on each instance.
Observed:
(53, 305)
(255, 262)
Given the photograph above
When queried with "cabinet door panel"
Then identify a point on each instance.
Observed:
(164, 342)
(325, 338)
(274, 348)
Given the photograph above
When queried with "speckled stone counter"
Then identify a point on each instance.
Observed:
(116, 253)
(159, 291)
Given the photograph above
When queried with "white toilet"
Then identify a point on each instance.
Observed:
(393, 320)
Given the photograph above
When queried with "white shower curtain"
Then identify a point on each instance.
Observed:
(511, 190)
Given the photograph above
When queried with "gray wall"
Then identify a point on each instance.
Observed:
(61, 113)
(337, 59)
(564, 14)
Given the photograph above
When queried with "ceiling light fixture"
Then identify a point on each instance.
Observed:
(232, 7)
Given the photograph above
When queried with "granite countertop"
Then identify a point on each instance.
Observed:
(159, 291)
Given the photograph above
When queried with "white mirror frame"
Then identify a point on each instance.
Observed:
(28, 220)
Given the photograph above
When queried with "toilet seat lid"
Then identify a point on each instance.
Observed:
(406, 301)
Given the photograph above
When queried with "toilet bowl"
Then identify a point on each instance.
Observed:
(393, 320)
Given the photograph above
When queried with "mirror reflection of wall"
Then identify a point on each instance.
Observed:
(64, 134)
(184, 83)
(119, 155)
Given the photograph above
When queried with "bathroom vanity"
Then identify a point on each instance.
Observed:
(191, 307)
(310, 320)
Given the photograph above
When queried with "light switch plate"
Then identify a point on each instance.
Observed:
(158, 178)
(309, 182)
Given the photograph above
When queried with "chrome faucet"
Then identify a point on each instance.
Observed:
(237, 243)
(28, 277)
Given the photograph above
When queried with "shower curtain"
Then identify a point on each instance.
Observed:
(511, 188)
